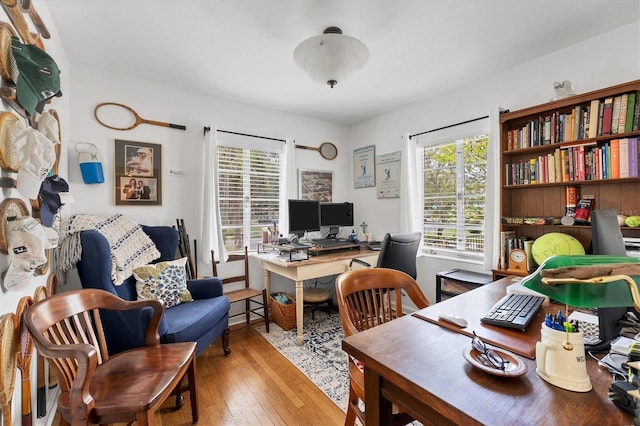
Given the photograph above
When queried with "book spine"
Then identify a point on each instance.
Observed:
(624, 158)
(615, 159)
(622, 115)
(558, 164)
(631, 104)
(593, 118)
(606, 117)
(615, 116)
(636, 113)
(578, 122)
(633, 157)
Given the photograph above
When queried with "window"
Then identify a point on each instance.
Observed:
(455, 184)
(248, 193)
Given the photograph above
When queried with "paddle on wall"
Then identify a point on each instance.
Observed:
(120, 117)
(328, 150)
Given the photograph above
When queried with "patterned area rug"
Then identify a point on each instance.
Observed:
(321, 358)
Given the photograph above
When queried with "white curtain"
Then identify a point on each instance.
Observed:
(409, 188)
(492, 201)
(287, 184)
(211, 223)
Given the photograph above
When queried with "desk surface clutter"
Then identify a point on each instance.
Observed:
(418, 361)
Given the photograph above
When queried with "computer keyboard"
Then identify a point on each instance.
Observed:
(514, 311)
(329, 242)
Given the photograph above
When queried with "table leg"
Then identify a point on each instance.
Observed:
(299, 311)
(267, 283)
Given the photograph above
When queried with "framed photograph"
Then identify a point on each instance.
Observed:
(364, 167)
(138, 171)
(316, 185)
(388, 175)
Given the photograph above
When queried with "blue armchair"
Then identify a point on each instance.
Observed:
(202, 321)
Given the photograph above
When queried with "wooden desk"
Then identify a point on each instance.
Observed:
(329, 263)
(418, 365)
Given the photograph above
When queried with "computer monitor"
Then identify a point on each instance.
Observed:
(606, 238)
(304, 216)
(336, 214)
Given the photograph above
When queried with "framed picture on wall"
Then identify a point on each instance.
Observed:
(138, 173)
(316, 185)
(388, 175)
(364, 167)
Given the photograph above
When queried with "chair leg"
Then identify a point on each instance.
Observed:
(247, 310)
(193, 396)
(266, 308)
(225, 342)
(350, 419)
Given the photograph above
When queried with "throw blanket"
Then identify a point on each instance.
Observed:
(130, 246)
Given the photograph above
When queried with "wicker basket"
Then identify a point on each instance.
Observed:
(284, 314)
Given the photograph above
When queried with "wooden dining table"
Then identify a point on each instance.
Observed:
(416, 362)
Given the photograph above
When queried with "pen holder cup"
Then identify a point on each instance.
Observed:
(564, 368)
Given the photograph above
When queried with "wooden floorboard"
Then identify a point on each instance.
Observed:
(254, 385)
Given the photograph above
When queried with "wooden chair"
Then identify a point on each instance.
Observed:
(98, 388)
(247, 294)
(366, 299)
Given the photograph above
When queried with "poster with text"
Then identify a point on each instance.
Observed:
(364, 167)
(388, 175)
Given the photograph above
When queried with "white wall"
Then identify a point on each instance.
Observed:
(590, 65)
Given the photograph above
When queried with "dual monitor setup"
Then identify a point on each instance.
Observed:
(308, 216)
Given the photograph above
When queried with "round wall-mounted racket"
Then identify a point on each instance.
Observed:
(122, 117)
(328, 150)
(25, 351)
(8, 358)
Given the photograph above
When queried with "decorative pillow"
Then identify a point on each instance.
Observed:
(166, 281)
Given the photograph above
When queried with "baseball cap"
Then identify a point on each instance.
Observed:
(26, 241)
(52, 197)
(36, 75)
(36, 154)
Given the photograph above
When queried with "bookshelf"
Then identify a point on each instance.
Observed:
(570, 142)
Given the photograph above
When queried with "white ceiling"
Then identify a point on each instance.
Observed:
(242, 50)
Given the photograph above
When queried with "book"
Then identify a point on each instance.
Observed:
(631, 102)
(615, 158)
(607, 113)
(593, 118)
(624, 157)
(636, 113)
(504, 238)
(530, 220)
(633, 157)
(615, 115)
(622, 115)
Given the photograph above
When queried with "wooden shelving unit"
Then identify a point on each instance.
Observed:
(520, 198)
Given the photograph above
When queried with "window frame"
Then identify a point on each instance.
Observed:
(248, 144)
(439, 137)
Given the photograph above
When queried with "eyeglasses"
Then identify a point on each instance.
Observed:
(490, 357)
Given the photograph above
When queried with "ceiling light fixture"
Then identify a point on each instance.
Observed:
(330, 57)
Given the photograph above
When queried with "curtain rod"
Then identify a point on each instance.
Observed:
(207, 129)
(450, 125)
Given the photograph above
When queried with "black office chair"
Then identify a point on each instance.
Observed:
(398, 251)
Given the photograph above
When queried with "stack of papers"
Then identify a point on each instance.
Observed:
(621, 345)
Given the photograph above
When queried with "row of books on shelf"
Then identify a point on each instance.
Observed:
(610, 116)
(614, 159)
(508, 242)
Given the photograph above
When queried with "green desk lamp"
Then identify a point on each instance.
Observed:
(588, 281)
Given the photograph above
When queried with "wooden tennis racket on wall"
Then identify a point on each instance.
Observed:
(25, 351)
(8, 358)
(119, 116)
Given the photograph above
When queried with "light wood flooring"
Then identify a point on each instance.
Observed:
(254, 385)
